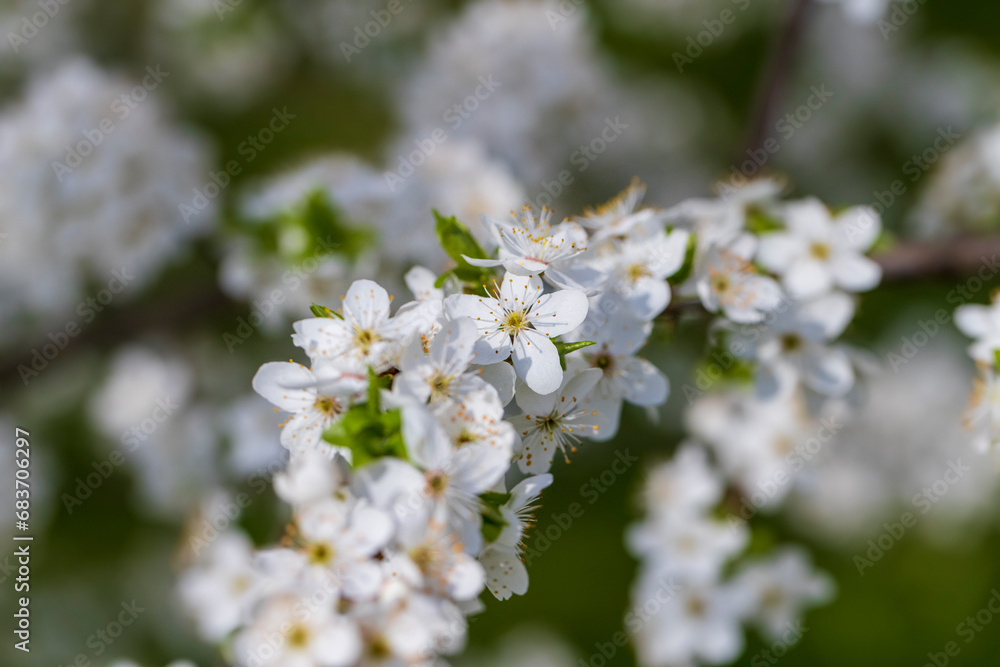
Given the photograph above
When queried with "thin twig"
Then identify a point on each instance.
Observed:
(771, 91)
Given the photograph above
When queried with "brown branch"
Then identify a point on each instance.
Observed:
(771, 90)
(956, 258)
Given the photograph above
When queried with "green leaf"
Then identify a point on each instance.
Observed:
(369, 436)
(326, 228)
(683, 273)
(566, 348)
(996, 358)
(459, 243)
(376, 383)
(323, 311)
(760, 222)
(493, 521)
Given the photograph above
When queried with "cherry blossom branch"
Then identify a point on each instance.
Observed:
(957, 257)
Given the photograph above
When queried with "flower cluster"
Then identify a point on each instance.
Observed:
(420, 437)
(782, 277)
(686, 612)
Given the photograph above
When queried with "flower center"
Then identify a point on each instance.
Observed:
(298, 637)
(772, 597)
(549, 423)
(636, 271)
(437, 483)
(464, 438)
(696, 606)
(439, 386)
(365, 338)
(604, 361)
(319, 553)
(720, 283)
(820, 251)
(423, 557)
(791, 342)
(328, 406)
(515, 322)
(378, 647)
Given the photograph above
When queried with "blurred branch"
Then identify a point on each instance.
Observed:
(771, 90)
(177, 313)
(956, 258)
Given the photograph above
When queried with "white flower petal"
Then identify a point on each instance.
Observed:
(288, 385)
(855, 273)
(560, 312)
(536, 361)
(366, 304)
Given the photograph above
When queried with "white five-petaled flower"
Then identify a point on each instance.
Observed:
(221, 586)
(321, 638)
(638, 270)
(506, 574)
(518, 324)
(699, 624)
(777, 590)
(455, 476)
(983, 324)
(726, 281)
(530, 246)
(620, 216)
(794, 347)
(366, 336)
(625, 376)
(554, 421)
(439, 376)
(341, 536)
(316, 400)
(819, 252)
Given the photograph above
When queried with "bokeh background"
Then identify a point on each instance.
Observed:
(194, 272)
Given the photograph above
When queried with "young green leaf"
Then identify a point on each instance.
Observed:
(566, 348)
(323, 311)
(459, 243)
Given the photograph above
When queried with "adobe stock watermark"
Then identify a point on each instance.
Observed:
(970, 628)
(964, 292)
(102, 638)
(924, 501)
(454, 116)
(786, 127)
(249, 149)
(31, 25)
(902, 12)
(581, 159)
(223, 515)
(591, 490)
(363, 35)
(562, 12)
(915, 168)
(264, 307)
(131, 439)
(794, 631)
(714, 28)
(87, 310)
(223, 7)
(768, 489)
(635, 619)
(121, 107)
